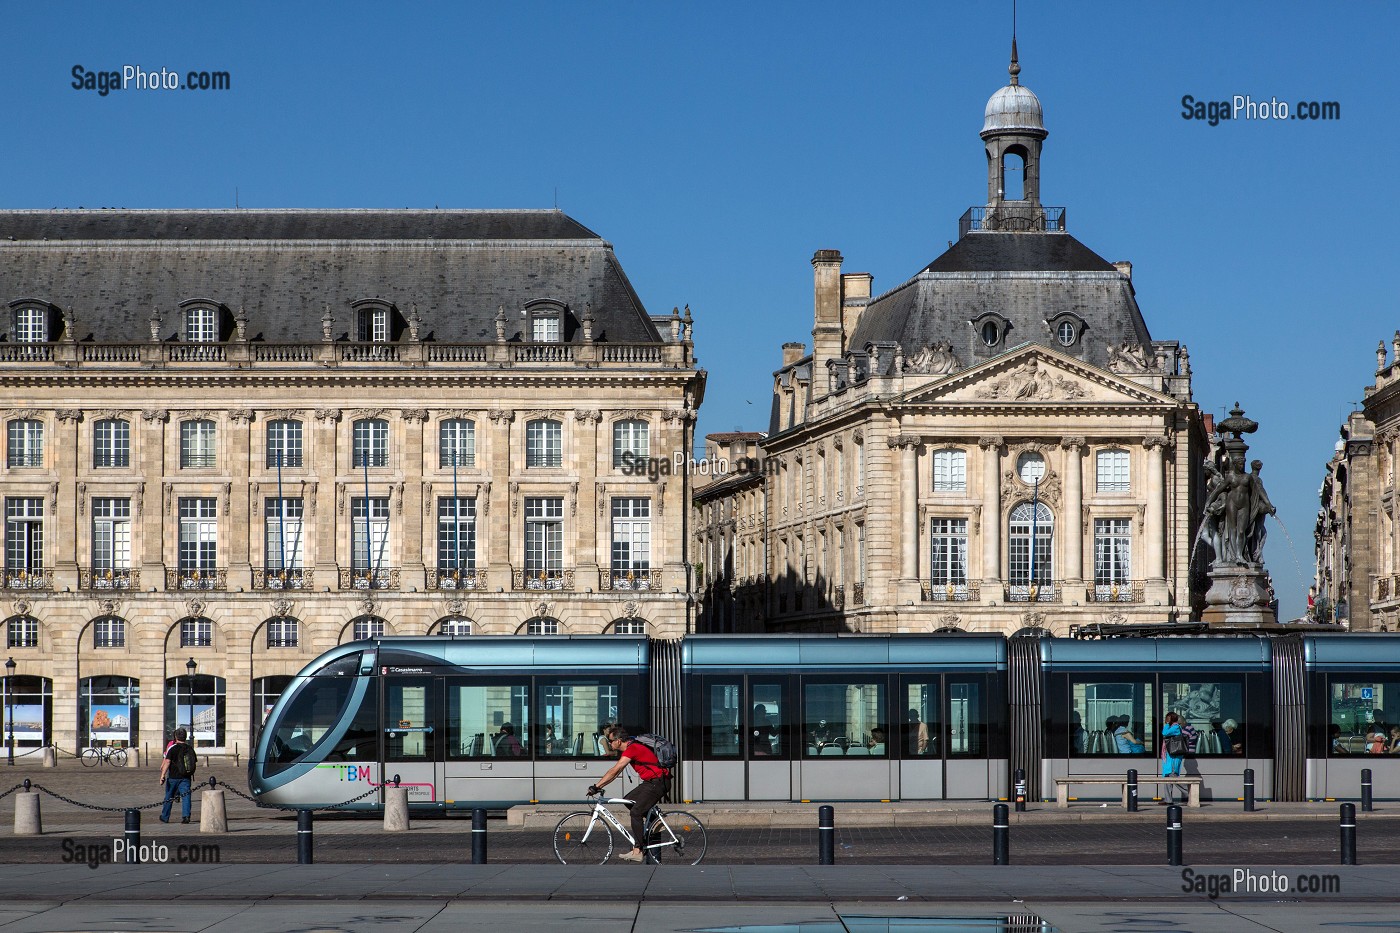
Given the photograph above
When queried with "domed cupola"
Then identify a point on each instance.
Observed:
(1013, 130)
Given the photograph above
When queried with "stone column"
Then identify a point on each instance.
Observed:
(63, 499)
(154, 501)
(1155, 573)
(410, 502)
(583, 495)
(907, 585)
(991, 517)
(498, 566)
(325, 508)
(1074, 516)
(239, 514)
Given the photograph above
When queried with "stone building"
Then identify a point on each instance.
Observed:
(1358, 577)
(996, 443)
(238, 438)
(729, 535)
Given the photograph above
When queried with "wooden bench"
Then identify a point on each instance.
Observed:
(1192, 784)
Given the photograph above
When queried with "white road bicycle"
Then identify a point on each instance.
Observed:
(585, 837)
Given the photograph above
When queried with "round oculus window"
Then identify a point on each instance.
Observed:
(1066, 333)
(1031, 468)
(990, 333)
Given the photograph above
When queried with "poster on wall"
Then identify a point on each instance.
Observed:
(111, 723)
(28, 724)
(205, 722)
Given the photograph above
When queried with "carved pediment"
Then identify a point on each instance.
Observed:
(1037, 375)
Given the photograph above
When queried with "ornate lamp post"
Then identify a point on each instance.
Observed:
(191, 666)
(10, 701)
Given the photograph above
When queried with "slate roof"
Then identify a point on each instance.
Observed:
(1027, 278)
(110, 268)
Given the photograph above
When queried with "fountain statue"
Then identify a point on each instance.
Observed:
(1232, 526)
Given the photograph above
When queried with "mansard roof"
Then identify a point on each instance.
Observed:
(1025, 278)
(109, 269)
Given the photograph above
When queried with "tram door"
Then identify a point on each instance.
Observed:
(412, 741)
(746, 739)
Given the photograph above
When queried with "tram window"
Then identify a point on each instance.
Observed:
(313, 712)
(722, 724)
(1112, 717)
(768, 721)
(486, 720)
(967, 718)
(1214, 709)
(408, 719)
(1361, 709)
(845, 718)
(572, 715)
(360, 741)
(919, 735)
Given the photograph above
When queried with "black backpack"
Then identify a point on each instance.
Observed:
(184, 761)
(663, 748)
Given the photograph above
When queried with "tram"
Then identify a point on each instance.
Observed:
(496, 721)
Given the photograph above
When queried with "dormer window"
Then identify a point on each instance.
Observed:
(201, 325)
(990, 328)
(31, 325)
(546, 320)
(1067, 328)
(373, 325)
(1066, 334)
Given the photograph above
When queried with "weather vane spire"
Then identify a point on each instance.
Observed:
(1015, 69)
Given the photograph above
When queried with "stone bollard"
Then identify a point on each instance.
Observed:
(50, 757)
(213, 818)
(395, 809)
(27, 821)
(133, 757)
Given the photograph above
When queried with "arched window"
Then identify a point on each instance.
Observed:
(1026, 567)
(629, 627)
(111, 444)
(544, 443)
(197, 450)
(283, 632)
(283, 444)
(1112, 471)
(25, 443)
(196, 704)
(455, 626)
(1013, 175)
(22, 632)
(196, 633)
(367, 627)
(370, 443)
(109, 632)
(542, 625)
(456, 443)
(631, 442)
(950, 470)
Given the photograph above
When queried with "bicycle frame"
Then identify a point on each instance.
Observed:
(601, 811)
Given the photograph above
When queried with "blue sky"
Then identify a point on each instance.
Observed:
(718, 145)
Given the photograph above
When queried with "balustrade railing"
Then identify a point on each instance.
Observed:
(951, 592)
(28, 579)
(544, 353)
(196, 578)
(543, 580)
(380, 578)
(632, 580)
(1125, 592)
(283, 578)
(108, 578)
(463, 578)
(1032, 593)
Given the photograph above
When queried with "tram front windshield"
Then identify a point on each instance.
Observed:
(315, 709)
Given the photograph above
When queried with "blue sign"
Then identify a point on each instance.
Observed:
(1368, 693)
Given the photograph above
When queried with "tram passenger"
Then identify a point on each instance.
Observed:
(1127, 742)
(916, 738)
(507, 745)
(1334, 740)
(762, 734)
(1233, 739)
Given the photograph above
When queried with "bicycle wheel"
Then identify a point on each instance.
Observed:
(91, 757)
(576, 844)
(118, 757)
(689, 845)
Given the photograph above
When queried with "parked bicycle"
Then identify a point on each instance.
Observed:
(92, 757)
(586, 836)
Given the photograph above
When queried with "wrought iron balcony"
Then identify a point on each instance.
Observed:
(1129, 591)
(952, 592)
(632, 580)
(1032, 593)
(358, 578)
(1011, 217)
(838, 596)
(196, 578)
(283, 578)
(28, 579)
(460, 578)
(558, 579)
(108, 578)
(858, 595)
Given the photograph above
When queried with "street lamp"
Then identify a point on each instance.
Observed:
(190, 666)
(10, 700)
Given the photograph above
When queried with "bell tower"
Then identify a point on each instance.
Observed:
(1013, 132)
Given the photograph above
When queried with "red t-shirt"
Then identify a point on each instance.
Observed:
(644, 762)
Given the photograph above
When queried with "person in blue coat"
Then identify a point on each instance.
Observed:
(1171, 766)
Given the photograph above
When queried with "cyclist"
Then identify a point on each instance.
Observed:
(655, 782)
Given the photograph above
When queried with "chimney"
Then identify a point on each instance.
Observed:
(855, 297)
(1124, 268)
(792, 352)
(827, 339)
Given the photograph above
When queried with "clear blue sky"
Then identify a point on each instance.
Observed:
(718, 145)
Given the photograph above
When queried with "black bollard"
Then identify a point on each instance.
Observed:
(1001, 835)
(1020, 790)
(1365, 790)
(1348, 834)
(1249, 790)
(1132, 790)
(1173, 835)
(304, 838)
(478, 836)
(826, 835)
(133, 836)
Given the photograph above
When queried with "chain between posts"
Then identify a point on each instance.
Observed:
(212, 783)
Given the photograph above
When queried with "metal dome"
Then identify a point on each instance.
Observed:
(1013, 109)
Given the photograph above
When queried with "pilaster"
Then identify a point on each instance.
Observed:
(500, 572)
(326, 517)
(239, 514)
(1074, 515)
(1155, 582)
(155, 511)
(411, 544)
(991, 517)
(64, 501)
(907, 585)
(585, 518)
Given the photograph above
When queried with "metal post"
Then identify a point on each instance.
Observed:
(1249, 790)
(1366, 790)
(133, 836)
(1348, 834)
(10, 702)
(304, 839)
(369, 549)
(478, 836)
(1132, 790)
(1020, 790)
(826, 835)
(1001, 835)
(1173, 835)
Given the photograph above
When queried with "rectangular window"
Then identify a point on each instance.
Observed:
(369, 533)
(31, 325)
(370, 443)
(456, 444)
(631, 539)
(201, 325)
(1113, 471)
(629, 627)
(22, 633)
(846, 718)
(1361, 713)
(283, 445)
(199, 535)
(948, 552)
(1212, 714)
(368, 627)
(26, 443)
(109, 632)
(542, 627)
(919, 713)
(860, 553)
(488, 719)
(544, 444)
(282, 633)
(111, 444)
(282, 523)
(544, 329)
(24, 536)
(631, 442)
(1114, 717)
(456, 535)
(570, 712)
(374, 326)
(544, 538)
(111, 536)
(1113, 545)
(197, 449)
(196, 633)
(950, 471)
